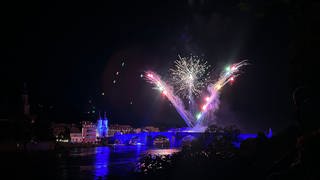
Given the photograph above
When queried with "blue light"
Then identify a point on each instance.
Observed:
(175, 138)
(102, 127)
(269, 135)
(102, 162)
(243, 137)
(236, 144)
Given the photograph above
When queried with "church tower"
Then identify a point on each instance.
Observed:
(102, 126)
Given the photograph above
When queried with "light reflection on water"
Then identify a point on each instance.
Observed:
(103, 161)
(162, 151)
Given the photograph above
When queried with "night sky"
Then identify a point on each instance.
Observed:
(69, 53)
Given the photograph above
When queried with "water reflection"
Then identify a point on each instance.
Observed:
(102, 162)
(162, 151)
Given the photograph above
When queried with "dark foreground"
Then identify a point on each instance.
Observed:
(288, 155)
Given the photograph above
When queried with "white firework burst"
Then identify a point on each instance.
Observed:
(190, 75)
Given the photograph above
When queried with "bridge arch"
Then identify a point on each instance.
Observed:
(132, 139)
(161, 141)
(136, 139)
(187, 140)
(175, 138)
(118, 141)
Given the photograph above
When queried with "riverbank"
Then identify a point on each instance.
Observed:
(47, 146)
(75, 145)
(30, 146)
(42, 146)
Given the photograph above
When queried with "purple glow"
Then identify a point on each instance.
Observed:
(102, 162)
(206, 116)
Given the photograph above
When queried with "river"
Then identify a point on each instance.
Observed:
(103, 162)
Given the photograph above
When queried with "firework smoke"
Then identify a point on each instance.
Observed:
(190, 77)
(167, 91)
(212, 102)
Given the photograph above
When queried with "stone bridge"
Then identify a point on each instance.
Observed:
(175, 138)
(147, 138)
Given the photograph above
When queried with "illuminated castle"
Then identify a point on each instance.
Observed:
(102, 126)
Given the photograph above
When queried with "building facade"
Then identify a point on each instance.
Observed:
(122, 129)
(76, 137)
(151, 129)
(89, 132)
(59, 129)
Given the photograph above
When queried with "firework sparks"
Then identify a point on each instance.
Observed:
(229, 75)
(189, 75)
(167, 91)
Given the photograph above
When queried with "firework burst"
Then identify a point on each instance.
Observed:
(167, 91)
(189, 75)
